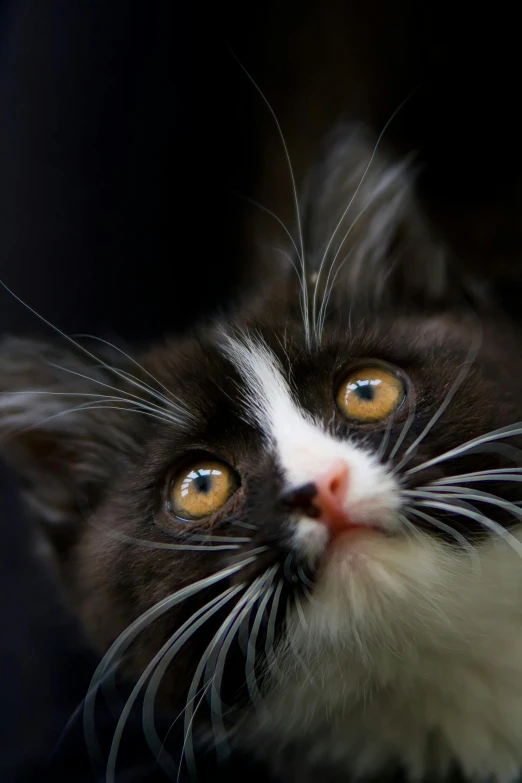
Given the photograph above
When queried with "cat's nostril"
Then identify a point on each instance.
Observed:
(301, 499)
(330, 500)
(335, 482)
(323, 499)
(335, 485)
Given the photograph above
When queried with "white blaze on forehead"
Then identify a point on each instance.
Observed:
(304, 450)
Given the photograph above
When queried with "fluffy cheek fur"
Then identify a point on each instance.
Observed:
(409, 652)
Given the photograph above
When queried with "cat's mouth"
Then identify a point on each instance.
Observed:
(319, 542)
(351, 538)
(353, 554)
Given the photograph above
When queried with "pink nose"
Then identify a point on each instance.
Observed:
(330, 498)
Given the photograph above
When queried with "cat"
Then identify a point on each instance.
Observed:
(297, 528)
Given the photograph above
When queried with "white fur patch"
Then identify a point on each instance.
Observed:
(305, 452)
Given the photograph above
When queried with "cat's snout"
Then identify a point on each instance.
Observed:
(330, 497)
(324, 498)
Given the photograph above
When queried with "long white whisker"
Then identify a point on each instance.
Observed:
(304, 289)
(412, 397)
(470, 494)
(457, 383)
(154, 410)
(409, 524)
(58, 415)
(173, 403)
(294, 267)
(244, 524)
(91, 395)
(504, 432)
(119, 536)
(187, 741)
(385, 439)
(129, 396)
(329, 287)
(126, 638)
(459, 507)
(218, 667)
(151, 389)
(459, 538)
(300, 611)
(159, 748)
(363, 177)
(270, 629)
(495, 474)
(172, 646)
(295, 652)
(250, 662)
(216, 640)
(304, 579)
(70, 339)
(276, 218)
(209, 538)
(257, 550)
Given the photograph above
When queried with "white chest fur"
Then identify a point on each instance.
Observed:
(409, 652)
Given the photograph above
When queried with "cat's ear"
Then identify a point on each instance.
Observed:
(63, 439)
(367, 238)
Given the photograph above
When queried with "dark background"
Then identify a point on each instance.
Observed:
(124, 127)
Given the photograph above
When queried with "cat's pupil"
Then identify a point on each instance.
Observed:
(366, 393)
(203, 484)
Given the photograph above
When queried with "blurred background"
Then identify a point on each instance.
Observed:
(130, 144)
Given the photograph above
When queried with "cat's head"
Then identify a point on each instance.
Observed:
(287, 470)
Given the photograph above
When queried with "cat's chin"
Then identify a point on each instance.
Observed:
(350, 541)
(366, 567)
(354, 548)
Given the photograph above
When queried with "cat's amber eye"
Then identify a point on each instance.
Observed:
(370, 394)
(201, 489)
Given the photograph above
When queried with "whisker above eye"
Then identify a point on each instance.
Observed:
(137, 364)
(318, 324)
(120, 395)
(133, 400)
(301, 255)
(116, 371)
(86, 407)
(274, 216)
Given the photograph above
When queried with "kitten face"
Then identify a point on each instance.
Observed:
(370, 611)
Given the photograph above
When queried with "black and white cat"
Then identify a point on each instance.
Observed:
(301, 526)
